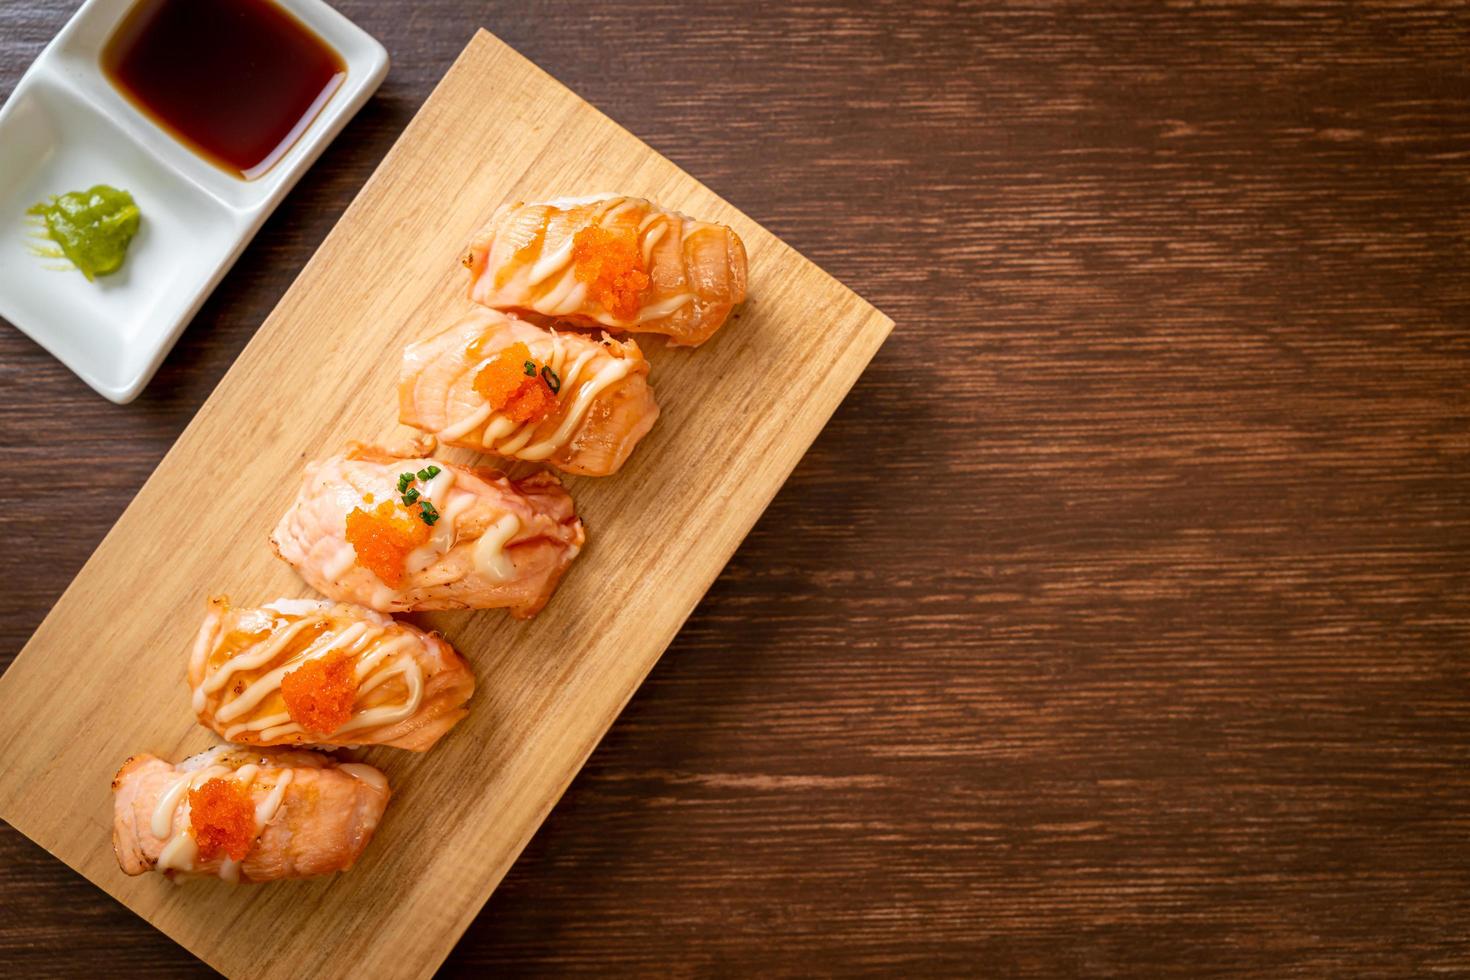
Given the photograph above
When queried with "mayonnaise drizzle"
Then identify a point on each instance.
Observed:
(506, 437)
(204, 643)
(466, 425)
(551, 262)
(365, 774)
(266, 809)
(664, 307)
(168, 801)
(438, 493)
(614, 371)
(490, 557)
(653, 228)
(253, 656)
(297, 607)
(551, 281)
(383, 649)
(270, 683)
(391, 714)
(181, 851)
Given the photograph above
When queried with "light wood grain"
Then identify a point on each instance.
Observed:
(102, 677)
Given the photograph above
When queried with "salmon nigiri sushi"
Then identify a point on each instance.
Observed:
(244, 814)
(609, 261)
(311, 671)
(403, 531)
(495, 383)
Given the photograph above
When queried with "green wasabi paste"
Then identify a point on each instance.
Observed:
(92, 228)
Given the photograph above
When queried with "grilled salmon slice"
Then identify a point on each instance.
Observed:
(310, 671)
(610, 261)
(244, 814)
(402, 531)
(469, 386)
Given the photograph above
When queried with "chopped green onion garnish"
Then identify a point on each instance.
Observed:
(428, 473)
(410, 496)
(552, 380)
(404, 479)
(428, 512)
(530, 369)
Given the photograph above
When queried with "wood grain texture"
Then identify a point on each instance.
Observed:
(737, 415)
(1117, 623)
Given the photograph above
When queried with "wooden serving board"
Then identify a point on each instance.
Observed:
(103, 677)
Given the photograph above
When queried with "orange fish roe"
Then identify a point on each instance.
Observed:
(505, 384)
(611, 263)
(320, 693)
(532, 402)
(222, 817)
(383, 538)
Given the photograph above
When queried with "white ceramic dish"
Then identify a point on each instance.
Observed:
(66, 128)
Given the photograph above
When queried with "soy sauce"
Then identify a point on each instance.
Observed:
(237, 81)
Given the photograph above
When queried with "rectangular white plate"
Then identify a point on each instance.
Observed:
(65, 128)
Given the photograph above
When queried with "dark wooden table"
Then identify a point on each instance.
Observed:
(1119, 621)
